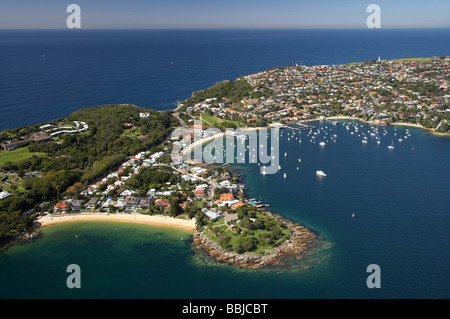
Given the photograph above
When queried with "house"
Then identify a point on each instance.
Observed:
(120, 203)
(235, 206)
(9, 146)
(109, 201)
(145, 202)
(228, 202)
(145, 114)
(4, 194)
(61, 207)
(133, 202)
(230, 217)
(199, 193)
(92, 203)
(197, 127)
(162, 202)
(226, 196)
(77, 205)
(232, 188)
(212, 215)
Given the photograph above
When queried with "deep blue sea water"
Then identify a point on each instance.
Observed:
(157, 68)
(400, 197)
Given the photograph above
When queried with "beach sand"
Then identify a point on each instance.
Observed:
(186, 151)
(156, 220)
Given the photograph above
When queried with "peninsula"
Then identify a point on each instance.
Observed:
(408, 91)
(114, 162)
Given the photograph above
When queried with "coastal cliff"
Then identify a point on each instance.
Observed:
(301, 241)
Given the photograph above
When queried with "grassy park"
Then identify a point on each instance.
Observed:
(16, 155)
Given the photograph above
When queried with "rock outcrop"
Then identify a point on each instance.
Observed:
(301, 241)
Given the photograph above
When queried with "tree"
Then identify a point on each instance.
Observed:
(175, 208)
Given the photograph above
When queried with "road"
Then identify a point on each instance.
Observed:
(179, 119)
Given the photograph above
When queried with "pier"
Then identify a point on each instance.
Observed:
(300, 127)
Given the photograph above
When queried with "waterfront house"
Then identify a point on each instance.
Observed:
(237, 205)
(61, 207)
(119, 204)
(145, 202)
(162, 202)
(108, 202)
(92, 203)
(77, 205)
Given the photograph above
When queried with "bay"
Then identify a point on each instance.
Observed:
(400, 223)
(399, 197)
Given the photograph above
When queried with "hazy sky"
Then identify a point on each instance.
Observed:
(120, 14)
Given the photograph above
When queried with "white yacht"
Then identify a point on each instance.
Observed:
(321, 173)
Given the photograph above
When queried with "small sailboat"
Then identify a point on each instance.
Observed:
(412, 148)
(284, 175)
(353, 215)
(392, 145)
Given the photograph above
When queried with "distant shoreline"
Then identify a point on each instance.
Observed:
(155, 220)
(343, 117)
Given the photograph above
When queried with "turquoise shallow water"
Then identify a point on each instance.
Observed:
(401, 205)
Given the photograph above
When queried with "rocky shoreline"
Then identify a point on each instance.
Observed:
(302, 240)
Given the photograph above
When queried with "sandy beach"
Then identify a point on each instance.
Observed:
(156, 220)
(186, 151)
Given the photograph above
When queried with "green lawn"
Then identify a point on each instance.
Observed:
(220, 225)
(212, 121)
(413, 59)
(132, 132)
(17, 155)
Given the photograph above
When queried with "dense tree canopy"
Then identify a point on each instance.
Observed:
(84, 157)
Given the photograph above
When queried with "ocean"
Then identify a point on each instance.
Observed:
(52, 73)
(399, 197)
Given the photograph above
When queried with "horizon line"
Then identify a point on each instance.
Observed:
(239, 28)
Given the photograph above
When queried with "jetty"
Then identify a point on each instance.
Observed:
(300, 127)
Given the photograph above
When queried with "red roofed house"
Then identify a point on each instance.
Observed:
(162, 202)
(226, 196)
(235, 206)
(199, 192)
(198, 127)
(61, 206)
